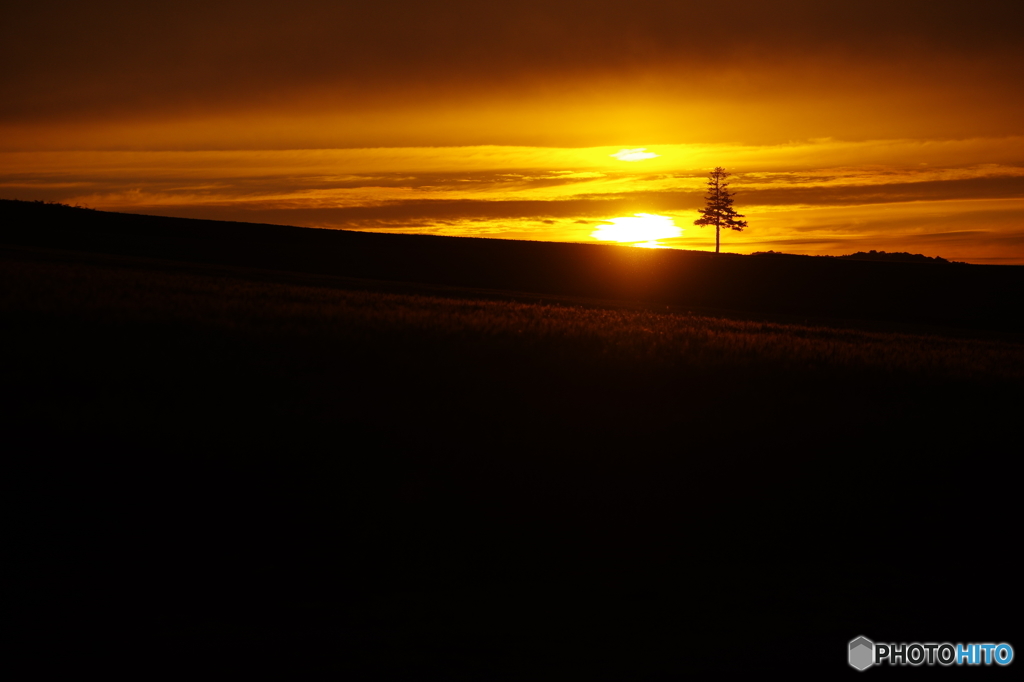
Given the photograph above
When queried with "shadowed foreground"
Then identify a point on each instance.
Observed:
(255, 469)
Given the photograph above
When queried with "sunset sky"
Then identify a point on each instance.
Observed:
(894, 125)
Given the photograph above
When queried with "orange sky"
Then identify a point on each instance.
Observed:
(850, 125)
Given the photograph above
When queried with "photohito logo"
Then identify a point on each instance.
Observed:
(863, 653)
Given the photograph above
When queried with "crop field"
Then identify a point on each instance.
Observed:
(415, 474)
(333, 310)
(328, 349)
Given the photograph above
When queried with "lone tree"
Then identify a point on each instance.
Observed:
(718, 210)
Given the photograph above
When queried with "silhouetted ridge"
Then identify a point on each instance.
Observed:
(872, 255)
(897, 257)
(979, 296)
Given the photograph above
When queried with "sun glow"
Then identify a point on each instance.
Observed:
(640, 229)
(638, 154)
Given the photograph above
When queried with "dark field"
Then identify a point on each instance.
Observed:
(260, 458)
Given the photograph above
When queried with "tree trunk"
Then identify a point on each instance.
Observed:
(718, 238)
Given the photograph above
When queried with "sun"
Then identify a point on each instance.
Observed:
(637, 154)
(640, 229)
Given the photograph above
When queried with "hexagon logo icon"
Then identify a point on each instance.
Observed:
(862, 653)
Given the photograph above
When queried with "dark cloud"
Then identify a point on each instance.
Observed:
(399, 214)
(1006, 187)
(116, 59)
(599, 207)
(997, 187)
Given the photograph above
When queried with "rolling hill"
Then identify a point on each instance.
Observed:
(262, 448)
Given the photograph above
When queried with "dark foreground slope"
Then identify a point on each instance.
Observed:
(228, 467)
(977, 296)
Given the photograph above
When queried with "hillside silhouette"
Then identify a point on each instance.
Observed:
(260, 448)
(896, 257)
(890, 288)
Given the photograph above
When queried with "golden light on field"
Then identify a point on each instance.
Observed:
(640, 229)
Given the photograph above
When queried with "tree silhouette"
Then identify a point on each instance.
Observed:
(718, 210)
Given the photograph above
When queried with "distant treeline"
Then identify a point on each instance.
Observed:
(55, 204)
(881, 256)
(898, 256)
